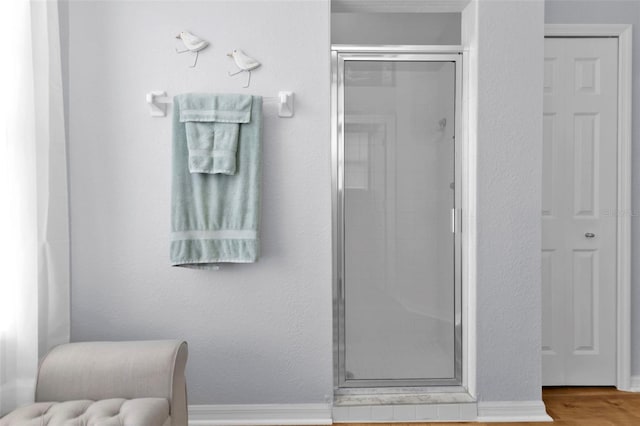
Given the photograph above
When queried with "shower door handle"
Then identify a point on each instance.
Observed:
(453, 220)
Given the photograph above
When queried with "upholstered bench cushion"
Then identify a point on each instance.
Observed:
(106, 412)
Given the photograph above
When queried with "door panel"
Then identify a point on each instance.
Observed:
(548, 261)
(585, 301)
(584, 172)
(578, 205)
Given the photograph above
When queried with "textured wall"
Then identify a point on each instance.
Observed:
(262, 333)
(615, 12)
(395, 28)
(257, 333)
(509, 139)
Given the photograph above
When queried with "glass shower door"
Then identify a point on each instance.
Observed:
(399, 313)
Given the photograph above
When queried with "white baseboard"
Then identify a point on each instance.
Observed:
(512, 411)
(406, 413)
(321, 414)
(635, 384)
(259, 414)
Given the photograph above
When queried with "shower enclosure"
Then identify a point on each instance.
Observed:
(396, 189)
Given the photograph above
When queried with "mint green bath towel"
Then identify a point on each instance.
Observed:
(215, 217)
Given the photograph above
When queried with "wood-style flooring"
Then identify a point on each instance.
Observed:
(572, 406)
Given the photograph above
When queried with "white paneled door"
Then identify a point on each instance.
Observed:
(579, 211)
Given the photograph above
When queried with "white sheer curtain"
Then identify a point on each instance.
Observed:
(34, 226)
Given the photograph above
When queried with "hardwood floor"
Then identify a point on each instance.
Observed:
(577, 406)
(592, 406)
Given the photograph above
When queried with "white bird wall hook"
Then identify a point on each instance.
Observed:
(193, 43)
(244, 62)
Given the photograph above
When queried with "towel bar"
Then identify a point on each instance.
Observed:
(158, 107)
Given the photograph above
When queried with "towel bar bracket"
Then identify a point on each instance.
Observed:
(157, 108)
(285, 104)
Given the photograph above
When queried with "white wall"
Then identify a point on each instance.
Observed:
(262, 333)
(395, 28)
(615, 12)
(257, 333)
(508, 62)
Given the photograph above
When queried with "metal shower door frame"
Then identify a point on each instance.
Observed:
(340, 54)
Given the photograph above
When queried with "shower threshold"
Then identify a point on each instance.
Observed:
(394, 396)
(402, 405)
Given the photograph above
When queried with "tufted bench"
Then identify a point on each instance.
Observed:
(109, 384)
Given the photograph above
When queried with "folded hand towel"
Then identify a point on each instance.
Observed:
(211, 123)
(212, 147)
(215, 217)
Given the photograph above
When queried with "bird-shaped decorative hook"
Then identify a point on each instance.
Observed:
(192, 43)
(244, 62)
